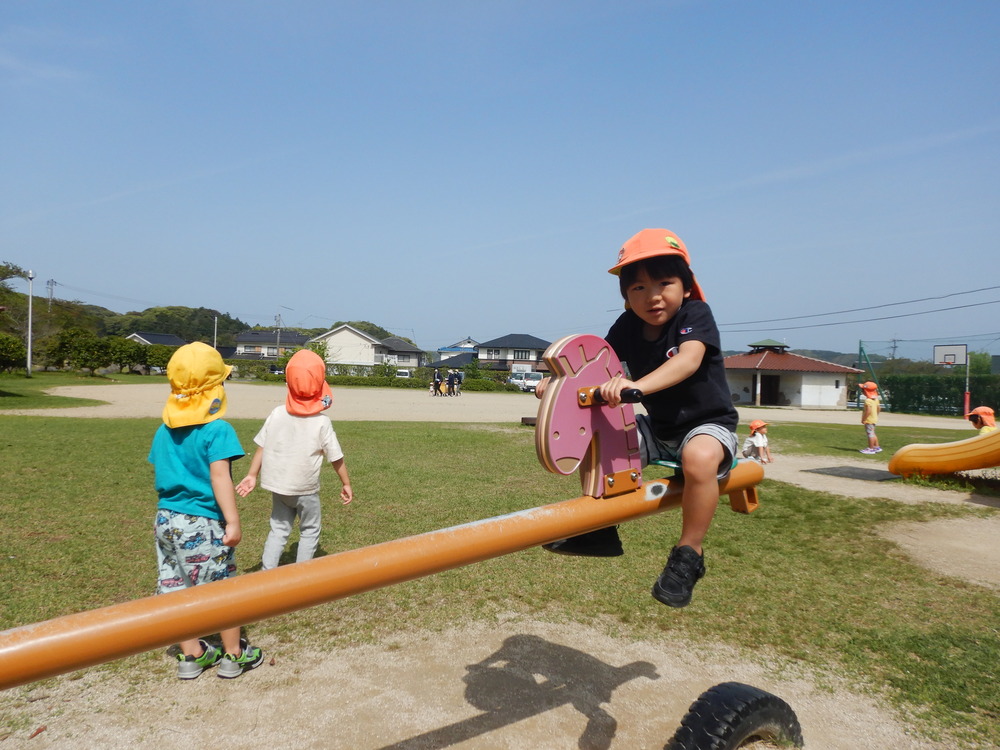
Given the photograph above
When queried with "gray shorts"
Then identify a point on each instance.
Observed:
(651, 448)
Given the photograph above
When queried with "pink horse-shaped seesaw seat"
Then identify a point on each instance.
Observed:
(601, 442)
(573, 433)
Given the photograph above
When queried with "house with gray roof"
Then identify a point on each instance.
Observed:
(268, 344)
(515, 352)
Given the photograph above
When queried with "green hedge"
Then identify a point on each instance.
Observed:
(378, 376)
(938, 394)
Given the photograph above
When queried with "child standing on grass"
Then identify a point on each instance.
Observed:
(756, 445)
(869, 416)
(197, 524)
(291, 447)
(669, 341)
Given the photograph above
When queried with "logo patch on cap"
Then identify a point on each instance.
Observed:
(214, 407)
(673, 243)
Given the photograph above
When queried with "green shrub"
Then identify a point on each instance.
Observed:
(938, 394)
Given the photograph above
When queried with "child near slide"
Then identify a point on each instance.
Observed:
(291, 447)
(982, 419)
(197, 524)
(869, 416)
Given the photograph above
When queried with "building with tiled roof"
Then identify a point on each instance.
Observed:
(770, 375)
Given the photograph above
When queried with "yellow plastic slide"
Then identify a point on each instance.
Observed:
(980, 452)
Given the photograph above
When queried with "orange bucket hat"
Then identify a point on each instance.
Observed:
(308, 391)
(756, 425)
(870, 388)
(985, 415)
(650, 243)
(197, 396)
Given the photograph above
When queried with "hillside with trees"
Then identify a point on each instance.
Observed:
(89, 336)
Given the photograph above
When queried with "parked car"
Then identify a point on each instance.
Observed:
(531, 380)
(403, 374)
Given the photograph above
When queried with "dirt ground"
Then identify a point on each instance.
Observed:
(518, 683)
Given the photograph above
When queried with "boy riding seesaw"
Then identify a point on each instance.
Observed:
(670, 343)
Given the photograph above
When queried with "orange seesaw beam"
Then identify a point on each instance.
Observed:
(71, 642)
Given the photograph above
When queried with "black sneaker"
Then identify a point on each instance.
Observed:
(600, 543)
(675, 584)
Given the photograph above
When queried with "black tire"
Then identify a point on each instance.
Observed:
(728, 715)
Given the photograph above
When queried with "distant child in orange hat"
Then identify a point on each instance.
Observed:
(291, 446)
(869, 417)
(756, 446)
(197, 524)
(982, 419)
(670, 342)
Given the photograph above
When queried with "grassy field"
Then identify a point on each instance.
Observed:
(804, 580)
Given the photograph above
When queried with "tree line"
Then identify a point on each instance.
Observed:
(82, 336)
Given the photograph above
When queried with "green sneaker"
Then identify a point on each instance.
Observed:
(250, 657)
(189, 667)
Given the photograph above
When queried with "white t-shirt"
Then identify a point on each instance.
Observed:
(755, 440)
(294, 449)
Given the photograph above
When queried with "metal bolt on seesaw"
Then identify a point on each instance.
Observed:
(573, 433)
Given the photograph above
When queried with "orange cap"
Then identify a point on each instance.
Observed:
(869, 388)
(985, 414)
(308, 391)
(650, 243)
(757, 424)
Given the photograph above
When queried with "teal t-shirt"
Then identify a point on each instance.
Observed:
(182, 456)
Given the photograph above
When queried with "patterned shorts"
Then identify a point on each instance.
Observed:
(189, 551)
(870, 430)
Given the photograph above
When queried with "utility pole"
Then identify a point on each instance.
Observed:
(51, 284)
(31, 278)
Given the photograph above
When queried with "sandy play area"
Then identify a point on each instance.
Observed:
(519, 683)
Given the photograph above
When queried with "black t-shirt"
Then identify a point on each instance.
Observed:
(702, 398)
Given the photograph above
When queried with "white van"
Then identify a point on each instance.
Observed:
(403, 374)
(531, 380)
(516, 378)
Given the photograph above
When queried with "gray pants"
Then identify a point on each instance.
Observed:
(284, 509)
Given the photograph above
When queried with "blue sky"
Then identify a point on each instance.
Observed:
(453, 169)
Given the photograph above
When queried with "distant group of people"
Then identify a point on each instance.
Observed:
(197, 524)
(448, 385)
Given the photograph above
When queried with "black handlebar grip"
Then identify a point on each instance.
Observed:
(629, 396)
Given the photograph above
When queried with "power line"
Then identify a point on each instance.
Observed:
(849, 322)
(862, 309)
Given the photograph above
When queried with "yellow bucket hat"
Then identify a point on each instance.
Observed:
(196, 373)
